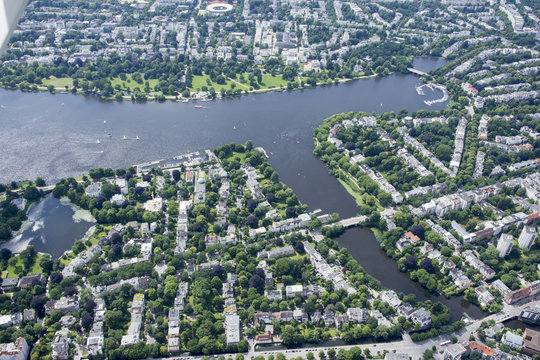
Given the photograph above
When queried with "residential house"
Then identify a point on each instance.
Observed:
(60, 347)
(454, 352)
(512, 340)
(357, 315)
(422, 317)
(31, 280)
(18, 350)
(9, 283)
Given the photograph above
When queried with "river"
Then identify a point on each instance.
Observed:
(55, 136)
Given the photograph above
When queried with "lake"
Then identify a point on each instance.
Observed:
(56, 136)
(52, 227)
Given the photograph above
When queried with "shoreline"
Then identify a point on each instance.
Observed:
(153, 98)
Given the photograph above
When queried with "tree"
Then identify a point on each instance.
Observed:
(256, 282)
(90, 305)
(290, 212)
(176, 175)
(38, 304)
(86, 321)
(56, 277)
(5, 254)
(289, 335)
(252, 221)
(444, 152)
(40, 182)
(46, 264)
(299, 247)
(31, 193)
(70, 291)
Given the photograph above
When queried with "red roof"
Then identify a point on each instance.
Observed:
(476, 346)
(411, 236)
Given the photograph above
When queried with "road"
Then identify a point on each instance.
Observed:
(406, 345)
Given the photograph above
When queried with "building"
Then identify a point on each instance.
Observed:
(485, 351)
(513, 340)
(396, 356)
(422, 317)
(454, 352)
(505, 244)
(60, 347)
(293, 290)
(527, 236)
(18, 350)
(134, 329)
(232, 329)
(357, 315)
(391, 298)
(93, 190)
(31, 280)
(531, 342)
(516, 295)
(64, 304)
(9, 283)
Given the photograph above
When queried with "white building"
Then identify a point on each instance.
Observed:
(505, 244)
(232, 329)
(18, 350)
(527, 236)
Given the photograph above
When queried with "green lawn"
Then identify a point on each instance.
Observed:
(58, 83)
(35, 269)
(131, 84)
(201, 80)
(354, 192)
(269, 81)
(96, 236)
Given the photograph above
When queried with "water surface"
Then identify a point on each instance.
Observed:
(52, 227)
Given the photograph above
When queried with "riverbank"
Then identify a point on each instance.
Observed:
(62, 86)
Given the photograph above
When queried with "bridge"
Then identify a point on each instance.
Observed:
(349, 222)
(507, 317)
(417, 72)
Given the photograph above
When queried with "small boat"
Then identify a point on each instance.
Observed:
(104, 121)
(97, 141)
(137, 138)
(234, 127)
(198, 106)
(125, 138)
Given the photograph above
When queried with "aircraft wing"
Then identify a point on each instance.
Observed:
(10, 12)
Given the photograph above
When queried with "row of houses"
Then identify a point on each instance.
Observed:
(182, 225)
(412, 141)
(23, 282)
(327, 272)
(94, 342)
(133, 333)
